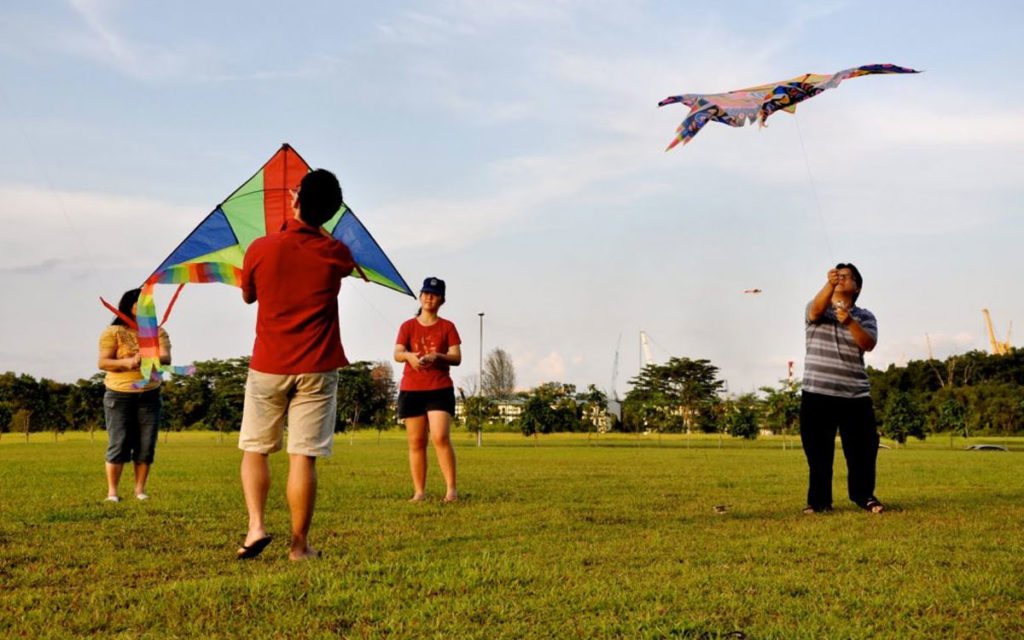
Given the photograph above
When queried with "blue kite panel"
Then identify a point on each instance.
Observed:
(365, 249)
(212, 234)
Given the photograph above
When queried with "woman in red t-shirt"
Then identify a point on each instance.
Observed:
(428, 345)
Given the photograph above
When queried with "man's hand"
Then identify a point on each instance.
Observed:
(842, 312)
(833, 277)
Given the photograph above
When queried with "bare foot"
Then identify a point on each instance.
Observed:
(453, 496)
(419, 497)
(308, 553)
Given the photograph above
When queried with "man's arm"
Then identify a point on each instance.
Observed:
(860, 335)
(246, 283)
(823, 298)
(864, 340)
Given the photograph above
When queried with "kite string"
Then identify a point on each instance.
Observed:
(366, 300)
(814, 189)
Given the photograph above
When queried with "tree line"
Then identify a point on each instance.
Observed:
(969, 394)
(212, 399)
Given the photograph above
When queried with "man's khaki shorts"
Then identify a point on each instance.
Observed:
(308, 400)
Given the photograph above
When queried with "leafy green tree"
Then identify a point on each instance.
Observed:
(366, 393)
(225, 380)
(83, 404)
(902, 418)
(186, 401)
(682, 386)
(710, 417)
(385, 392)
(537, 416)
(741, 419)
(953, 416)
(6, 416)
(781, 407)
(355, 394)
(476, 411)
(549, 408)
(594, 408)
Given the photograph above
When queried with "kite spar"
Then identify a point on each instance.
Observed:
(213, 252)
(743, 106)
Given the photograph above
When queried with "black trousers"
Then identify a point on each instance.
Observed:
(820, 416)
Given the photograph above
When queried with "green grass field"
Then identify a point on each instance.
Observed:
(563, 537)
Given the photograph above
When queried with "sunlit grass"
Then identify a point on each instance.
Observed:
(563, 536)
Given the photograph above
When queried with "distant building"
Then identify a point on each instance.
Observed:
(509, 409)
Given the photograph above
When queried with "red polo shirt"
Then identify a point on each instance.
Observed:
(295, 275)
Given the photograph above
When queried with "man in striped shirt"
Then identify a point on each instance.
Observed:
(836, 393)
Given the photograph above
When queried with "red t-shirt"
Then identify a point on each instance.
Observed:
(295, 275)
(437, 338)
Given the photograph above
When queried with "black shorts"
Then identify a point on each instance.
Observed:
(417, 403)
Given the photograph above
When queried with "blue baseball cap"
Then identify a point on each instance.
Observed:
(433, 285)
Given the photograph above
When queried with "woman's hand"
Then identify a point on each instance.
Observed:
(413, 360)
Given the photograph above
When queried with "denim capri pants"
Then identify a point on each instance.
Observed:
(133, 420)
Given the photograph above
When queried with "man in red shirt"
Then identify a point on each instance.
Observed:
(296, 276)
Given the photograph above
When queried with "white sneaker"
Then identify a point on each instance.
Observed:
(141, 496)
(112, 499)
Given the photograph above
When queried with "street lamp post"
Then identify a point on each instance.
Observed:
(480, 378)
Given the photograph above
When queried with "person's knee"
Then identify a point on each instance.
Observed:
(417, 443)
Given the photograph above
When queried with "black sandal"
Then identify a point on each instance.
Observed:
(810, 511)
(873, 505)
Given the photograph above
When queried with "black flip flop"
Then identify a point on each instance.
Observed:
(255, 549)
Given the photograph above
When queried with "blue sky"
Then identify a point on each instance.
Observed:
(515, 149)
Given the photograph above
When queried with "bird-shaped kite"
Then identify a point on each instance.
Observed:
(737, 108)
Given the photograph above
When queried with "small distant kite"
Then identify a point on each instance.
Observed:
(755, 291)
(743, 106)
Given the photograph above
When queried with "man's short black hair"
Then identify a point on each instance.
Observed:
(856, 276)
(319, 197)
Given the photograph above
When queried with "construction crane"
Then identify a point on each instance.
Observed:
(646, 349)
(614, 404)
(998, 348)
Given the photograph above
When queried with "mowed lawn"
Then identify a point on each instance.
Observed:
(564, 537)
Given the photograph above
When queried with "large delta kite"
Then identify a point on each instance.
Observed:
(213, 252)
(743, 106)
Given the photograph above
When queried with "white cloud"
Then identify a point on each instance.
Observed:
(87, 230)
(550, 368)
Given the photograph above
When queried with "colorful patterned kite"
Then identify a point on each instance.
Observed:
(213, 252)
(737, 108)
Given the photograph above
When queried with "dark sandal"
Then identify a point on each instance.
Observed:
(810, 511)
(254, 549)
(874, 506)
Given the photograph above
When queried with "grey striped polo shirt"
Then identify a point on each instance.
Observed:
(834, 364)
